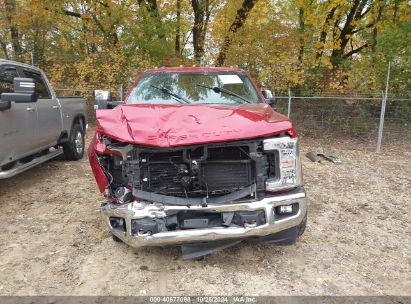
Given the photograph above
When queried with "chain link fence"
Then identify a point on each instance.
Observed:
(362, 122)
(353, 122)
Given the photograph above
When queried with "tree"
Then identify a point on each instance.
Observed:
(10, 12)
(238, 22)
(101, 13)
(202, 12)
(344, 24)
(308, 45)
(177, 47)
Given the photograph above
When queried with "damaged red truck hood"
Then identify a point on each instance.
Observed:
(178, 125)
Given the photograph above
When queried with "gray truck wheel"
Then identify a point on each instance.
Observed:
(74, 147)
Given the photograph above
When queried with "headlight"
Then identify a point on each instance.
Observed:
(286, 153)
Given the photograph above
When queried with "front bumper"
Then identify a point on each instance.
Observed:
(140, 210)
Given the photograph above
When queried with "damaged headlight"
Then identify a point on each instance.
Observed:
(287, 173)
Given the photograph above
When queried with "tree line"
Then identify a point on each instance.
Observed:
(310, 46)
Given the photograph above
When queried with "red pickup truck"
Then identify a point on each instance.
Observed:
(197, 157)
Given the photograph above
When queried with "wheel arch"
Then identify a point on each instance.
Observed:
(79, 118)
(64, 136)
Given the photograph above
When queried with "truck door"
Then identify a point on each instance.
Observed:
(48, 108)
(18, 125)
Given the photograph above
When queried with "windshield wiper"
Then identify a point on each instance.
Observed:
(179, 98)
(222, 90)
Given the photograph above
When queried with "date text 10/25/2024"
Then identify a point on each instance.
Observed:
(203, 299)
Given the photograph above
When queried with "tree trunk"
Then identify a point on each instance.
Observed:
(375, 30)
(301, 24)
(4, 49)
(301, 33)
(395, 14)
(10, 6)
(178, 29)
(202, 12)
(239, 21)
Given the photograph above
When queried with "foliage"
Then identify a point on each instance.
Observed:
(310, 46)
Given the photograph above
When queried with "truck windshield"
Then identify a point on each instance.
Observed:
(194, 88)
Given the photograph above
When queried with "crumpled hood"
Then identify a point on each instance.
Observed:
(178, 125)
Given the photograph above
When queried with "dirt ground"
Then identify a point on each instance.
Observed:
(357, 242)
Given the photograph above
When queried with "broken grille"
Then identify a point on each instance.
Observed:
(196, 172)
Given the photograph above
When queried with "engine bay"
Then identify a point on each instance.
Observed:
(202, 174)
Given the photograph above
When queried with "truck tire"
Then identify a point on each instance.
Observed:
(116, 239)
(302, 226)
(74, 148)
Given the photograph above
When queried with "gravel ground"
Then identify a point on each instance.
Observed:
(357, 241)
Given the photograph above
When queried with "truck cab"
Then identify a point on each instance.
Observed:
(35, 125)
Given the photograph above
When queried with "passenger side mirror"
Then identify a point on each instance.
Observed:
(268, 95)
(104, 100)
(24, 91)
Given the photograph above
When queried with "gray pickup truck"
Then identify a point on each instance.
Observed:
(35, 124)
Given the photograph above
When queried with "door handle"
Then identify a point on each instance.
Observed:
(30, 109)
(56, 107)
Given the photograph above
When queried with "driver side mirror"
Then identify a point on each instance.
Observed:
(24, 91)
(268, 95)
(104, 100)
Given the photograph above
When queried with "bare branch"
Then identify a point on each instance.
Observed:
(355, 51)
(73, 14)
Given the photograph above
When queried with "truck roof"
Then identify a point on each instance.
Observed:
(5, 61)
(194, 69)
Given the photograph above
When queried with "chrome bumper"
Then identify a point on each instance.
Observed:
(140, 210)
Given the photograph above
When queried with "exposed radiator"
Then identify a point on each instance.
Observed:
(195, 173)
